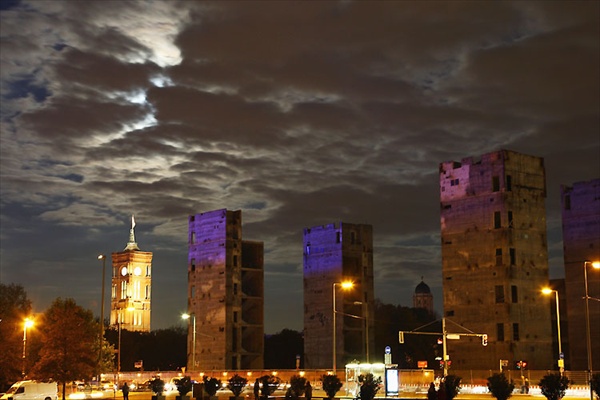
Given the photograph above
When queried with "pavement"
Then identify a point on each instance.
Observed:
(467, 394)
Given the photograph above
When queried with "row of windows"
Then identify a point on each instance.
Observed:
(500, 332)
(131, 291)
(495, 183)
(498, 220)
(511, 253)
(500, 297)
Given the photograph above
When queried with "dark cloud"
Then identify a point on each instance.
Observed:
(297, 113)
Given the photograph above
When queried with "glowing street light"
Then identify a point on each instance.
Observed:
(28, 323)
(103, 258)
(345, 286)
(595, 265)
(193, 317)
(561, 361)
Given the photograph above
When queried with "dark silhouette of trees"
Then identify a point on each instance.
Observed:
(282, 348)
(160, 350)
(69, 343)
(14, 308)
(390, 319)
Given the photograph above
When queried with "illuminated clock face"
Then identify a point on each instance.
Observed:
(124, 271)
(137, 271)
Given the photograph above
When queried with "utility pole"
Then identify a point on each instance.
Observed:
(445, 336)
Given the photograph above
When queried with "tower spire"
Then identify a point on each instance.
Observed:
(132, 245)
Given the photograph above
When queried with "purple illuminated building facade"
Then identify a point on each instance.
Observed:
(225, 294)
(581, 241)
(333, 254)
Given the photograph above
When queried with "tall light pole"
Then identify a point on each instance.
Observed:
(344, 285)
(103, 258)
(119, 323)
(561, 362)
(595, 265)
(28, 323)
(193, 316)
(366, 318)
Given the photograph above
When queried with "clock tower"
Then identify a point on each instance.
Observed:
(131, 286)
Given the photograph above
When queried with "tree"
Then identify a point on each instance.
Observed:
(554, 386)
(14, 308)
(282, 348)
(452, 385)
(500, 387)
(69, 337)
(596, 384)
(331, 385)
(369, 386)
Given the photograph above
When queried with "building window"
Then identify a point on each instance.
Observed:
(114, 292)
(510, 219)
(193, 264)
(454, 182)
(337, 237)
(308, 248)
(450, 313)
(235, 288)
(516, 332)
(495, 184)
(513, 256)
(193, 292)
(235, 316)
(123, 289)
(352, 237)
(498, 257)
(567, 202)
(500, 332)
(235, 261)
(147, 291)
(147, 270)
(508, 183)
(514, 294)
(499, 291)
(497, 220)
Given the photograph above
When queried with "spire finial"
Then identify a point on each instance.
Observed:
(132, 245)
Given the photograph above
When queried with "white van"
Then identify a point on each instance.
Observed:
(31, 390)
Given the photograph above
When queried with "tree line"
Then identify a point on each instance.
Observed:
(64, 344)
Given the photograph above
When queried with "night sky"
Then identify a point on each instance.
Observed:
(298, 113)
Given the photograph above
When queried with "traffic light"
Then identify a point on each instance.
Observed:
(522, 364)
(440, 341)
(484, 339)
(401, 337)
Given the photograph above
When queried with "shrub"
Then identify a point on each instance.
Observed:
(157, 386)
(184, 385)
(554, 386)
(369, 386)
(297, 386)
(211, 385)
(237, 384)
(269, 384)
(596, 384)
(500, 387)
(331, 385)
(452, 386)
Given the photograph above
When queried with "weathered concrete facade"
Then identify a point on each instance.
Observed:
(581, 241)
(334, 254)
(131, 287)
(494, 259)
(225, 294)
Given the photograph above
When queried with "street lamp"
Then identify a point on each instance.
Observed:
(193, 317)
(561, 362)
(366, 318)
(344, 285)
(119, 323)
(28, 323)
(595, 265)
(103, 258)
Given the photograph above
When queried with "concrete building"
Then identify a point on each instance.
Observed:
(334, 254)
(131, 286)
(225, 294)
(422, 298)
(581, 241)
(495, 261)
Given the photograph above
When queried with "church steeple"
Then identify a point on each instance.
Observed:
(132, 245)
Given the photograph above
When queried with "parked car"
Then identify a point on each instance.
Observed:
(32, 390)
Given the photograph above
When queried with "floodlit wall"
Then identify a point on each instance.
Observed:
(494, 259)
